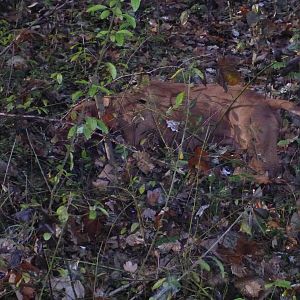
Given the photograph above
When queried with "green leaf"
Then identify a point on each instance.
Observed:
(282, 283)
(105, 90)
(105, 14)
(92, 213)
(112, 70)
(95, 8)
(220, 265)
(120, 36)
(130, 20)
(71, 161)
(101, 126)
(10, 106)
(82, 81)
(142, 189)
(283, 143)
(198, 73)
(278, 65)
(47, 236)
(135, 4)
(91, 123)
(93, 90)
(158, 284)
(176, 73)
(76, 95)
(118, 13)
(104, 211)
(195, 276)
(62, 213)
(245, 227)
(203, 264)
(134, 227)
(179, 99)
(120, 39)
(25, 277)
(75, 56)
(87, 132)
(112, 38)
(125, 32)
(72, 131)
(113, 3)
(184, 17)
(59, 78)
(101, 33)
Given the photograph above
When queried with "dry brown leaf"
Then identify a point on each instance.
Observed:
(155, 197)
(171, 246)
(105, 177)
(149, 213)
(200, 160)
(227, 72)
(143, 162)
(238, 270)
(135, 239)
(251, 286)
(294, 227)
(130, 267)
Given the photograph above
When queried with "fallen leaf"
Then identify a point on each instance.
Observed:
(143, 162)
(200, 160)
(106, 177)
(155, 197)
(201, 210)
(227, 72)
(91, 227)
(149, 213)
(250, 287)
(130, 267)
(72, 291)
(135, 239)
(171, 246)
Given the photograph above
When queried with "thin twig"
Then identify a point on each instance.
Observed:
(33, 117)
(120, 289)
(196, 263)
(37, 160)
(238, 96)
(9, 160)
(48, 13)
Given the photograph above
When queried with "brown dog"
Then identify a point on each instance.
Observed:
(249, 121)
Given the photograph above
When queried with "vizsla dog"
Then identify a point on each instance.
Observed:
(247, 120)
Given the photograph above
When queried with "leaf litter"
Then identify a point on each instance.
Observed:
(164, 214)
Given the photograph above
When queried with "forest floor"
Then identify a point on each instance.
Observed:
(153, 223)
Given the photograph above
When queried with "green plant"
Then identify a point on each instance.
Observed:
(121, 22)
(5, 35)
(280, 283)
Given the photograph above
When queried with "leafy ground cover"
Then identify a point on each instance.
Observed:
(84, 215)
